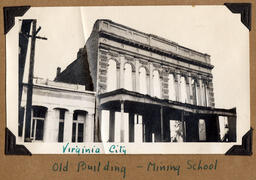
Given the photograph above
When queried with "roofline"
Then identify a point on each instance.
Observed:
(152, 35)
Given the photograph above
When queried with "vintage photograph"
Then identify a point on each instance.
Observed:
(128, 80)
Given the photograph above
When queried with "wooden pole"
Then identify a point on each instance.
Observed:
(30, 85)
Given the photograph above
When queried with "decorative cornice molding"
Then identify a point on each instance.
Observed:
(158, 51)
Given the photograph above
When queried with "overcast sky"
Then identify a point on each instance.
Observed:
(209, 29)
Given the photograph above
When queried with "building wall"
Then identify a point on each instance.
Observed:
(92, 54)
(73, 100)
(143, 50)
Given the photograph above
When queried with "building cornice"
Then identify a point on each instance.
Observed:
(136, 44)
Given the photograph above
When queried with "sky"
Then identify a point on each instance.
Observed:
(209, 29)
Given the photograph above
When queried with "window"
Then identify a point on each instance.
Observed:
(205, 95)
(78, 126)
(171, 84)
(143, 81)
(183, 90)
(156, 84)
(193, 83)
(37, 123)
(176, 131)
(202, 130)
(128, 77)
(61, 125)
(111, 76)
(224, 129)
(197, 94)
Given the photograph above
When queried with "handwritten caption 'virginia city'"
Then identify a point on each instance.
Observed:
(121, 170)
(82, 149)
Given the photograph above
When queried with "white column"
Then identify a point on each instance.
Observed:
(89, 128)
(122, 123)
(117, 126)
(68, 124)
(126, 127)
(104, 125)
(51, 126)
(138, 131)
(55, 126)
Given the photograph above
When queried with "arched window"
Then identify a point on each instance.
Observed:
(156, 84)
(202, 130)
(78, 126)
(61, 124)
(111, 76)
(143, 81)
(171, 85)
(194, 91)
(183, 90)
(205, 95)
(128, 77)
(37, 123)
(197, 94)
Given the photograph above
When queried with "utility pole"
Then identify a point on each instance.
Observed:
(30, 80)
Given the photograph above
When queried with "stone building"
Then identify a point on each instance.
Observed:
(61, 112)
(129, 86)
(148, 89)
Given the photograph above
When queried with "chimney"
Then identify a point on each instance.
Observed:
(58, 71)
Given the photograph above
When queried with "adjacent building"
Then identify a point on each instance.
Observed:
(129, 86)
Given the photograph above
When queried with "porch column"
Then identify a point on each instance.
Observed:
(104, 125)
(89, 127)
(111, 126)
(138, 129)
(51, 126)
(68, 124)
(117, 126)
(124, 126)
